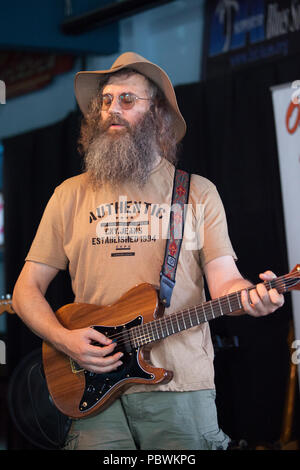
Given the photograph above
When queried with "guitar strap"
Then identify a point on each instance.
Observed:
(181, 186)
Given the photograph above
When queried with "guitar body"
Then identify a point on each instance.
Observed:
(78, 393)
(134, 322)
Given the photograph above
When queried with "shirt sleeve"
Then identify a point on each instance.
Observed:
(212, 228)
(48, 244)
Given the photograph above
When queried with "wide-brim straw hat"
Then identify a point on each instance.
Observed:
(87, 85)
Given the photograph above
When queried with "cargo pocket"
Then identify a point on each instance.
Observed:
(72, 441)
(215, 440)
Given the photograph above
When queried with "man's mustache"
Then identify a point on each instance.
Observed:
(113, 119)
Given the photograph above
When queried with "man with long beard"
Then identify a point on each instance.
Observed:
(129, 140)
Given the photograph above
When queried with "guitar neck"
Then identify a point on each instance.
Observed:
(194, 316)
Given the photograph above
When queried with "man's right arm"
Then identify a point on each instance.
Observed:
(30, 304)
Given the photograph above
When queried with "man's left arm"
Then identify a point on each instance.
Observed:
(223, 278)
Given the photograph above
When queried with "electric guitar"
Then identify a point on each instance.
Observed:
(5, 304)
(135, 321)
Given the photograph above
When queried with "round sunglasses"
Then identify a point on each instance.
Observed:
(125, 100)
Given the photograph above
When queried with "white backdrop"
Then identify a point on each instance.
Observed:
(287, 120)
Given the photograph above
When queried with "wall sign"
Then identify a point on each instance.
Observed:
(240, 33)
(24, 72)
(286, 105)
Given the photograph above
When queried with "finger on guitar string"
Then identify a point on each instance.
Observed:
(247, 303)
(260, 302)
(104, 361)
(101, 364)
(270, 298)
(267, 275)
(103, 369)
(78, 345)
(98, 337)
(99, 358)
(274, 297)
(103, 351)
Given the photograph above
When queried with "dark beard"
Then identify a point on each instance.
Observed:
(124, 155)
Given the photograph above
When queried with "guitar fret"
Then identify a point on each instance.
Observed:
(183, 320)
(285, 288)
(152, 331)
(156, 323)
(140, 338)
(132, 338)
(164, 327)
(222, 313)
(212, 311)
(239, 302)
(198, 321)
(156, 331)
(190, 317)
(161, 329)
(149, 336)
(177, 323)
(141, 332)
(137, 341)
(227, 296)
(204, 312)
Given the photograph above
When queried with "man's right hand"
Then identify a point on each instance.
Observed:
(95, 358)
(30, 304)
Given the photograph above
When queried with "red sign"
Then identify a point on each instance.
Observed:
(291, 111)
(24, 72)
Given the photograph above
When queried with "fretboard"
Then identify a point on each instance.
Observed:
(194, 316)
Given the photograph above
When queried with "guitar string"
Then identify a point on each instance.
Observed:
(202, 306)
(147, 335)
(168, 319)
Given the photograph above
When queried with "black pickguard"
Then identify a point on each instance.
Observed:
(98, 385)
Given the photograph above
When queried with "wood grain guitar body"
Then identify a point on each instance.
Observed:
(79, 393)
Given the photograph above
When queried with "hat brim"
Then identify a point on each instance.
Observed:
(87, 85)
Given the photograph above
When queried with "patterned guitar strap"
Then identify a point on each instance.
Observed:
(180, 196)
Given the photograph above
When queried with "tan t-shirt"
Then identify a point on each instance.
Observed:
(114, 238)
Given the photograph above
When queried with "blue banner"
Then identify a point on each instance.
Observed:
(241, 32)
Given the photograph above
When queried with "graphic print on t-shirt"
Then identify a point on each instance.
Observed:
(124, 223)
